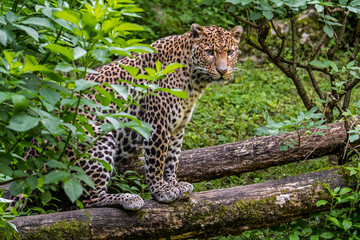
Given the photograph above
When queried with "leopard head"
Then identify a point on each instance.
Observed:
(215, 50)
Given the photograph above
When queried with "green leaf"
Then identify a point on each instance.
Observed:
(32, 181)
(353, 137)
(45, 197)
(86, 179)
(171, 68)
(129, 27)
(55, 176)
(73, 189)
(346, 224)
(56, 48)
(335, 221)
(255, 15)
(12, 17)
(3, 37)
(234, 1)
(345, 190)
(68, 15)
(321, 202)
(5, 161)
(22, 122)
(328, 30)
(146, 133)
(158, 66)
(38, 21)
(10, 227)
(30, 31)
(314, 237)
(101, 55)
(5, 96)
(64, 67)
(319, 8)
(140, 49)
(293, 236)
(327, 235)
(105, 164)
(56, 164)
(20, 103)
(283, 148)
(82, 84)
(79, 52)
(50, 95)
(268, 14)
(176, 92)
(65, 24)
(355, 3)
(132, 70)
(49, 121)
(318, 64)
(109, 24)
(17, 187)
(122, 90)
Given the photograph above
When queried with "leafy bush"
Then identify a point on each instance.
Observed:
(46, 50)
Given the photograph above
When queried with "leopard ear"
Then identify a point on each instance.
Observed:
(196, 31)
(236, 33)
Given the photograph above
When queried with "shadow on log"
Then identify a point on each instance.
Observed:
(205, 214)
(253, 154)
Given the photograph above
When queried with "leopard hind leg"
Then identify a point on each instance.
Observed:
(105, 150)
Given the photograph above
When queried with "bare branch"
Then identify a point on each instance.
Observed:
(356, 42)
(281, 36)
(293, 40)
(318, 46)
(313, 81)
(339, 37)
(351, 84)
(239, 19)
(251, 43)
(323, 70)
(278, 33)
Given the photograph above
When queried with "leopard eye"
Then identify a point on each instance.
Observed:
(230, 52)
(209, 52)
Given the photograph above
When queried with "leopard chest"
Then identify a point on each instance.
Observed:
(184, 113)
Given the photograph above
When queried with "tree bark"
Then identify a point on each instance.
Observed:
(204, 214)
(253, 154)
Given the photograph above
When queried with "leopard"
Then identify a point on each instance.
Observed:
(208, 54)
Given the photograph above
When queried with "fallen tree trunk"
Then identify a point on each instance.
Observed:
(253, 154)
(205, 214)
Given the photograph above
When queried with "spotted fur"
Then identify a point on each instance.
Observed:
(209, 54)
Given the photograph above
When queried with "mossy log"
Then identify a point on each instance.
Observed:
(204, 214)
(252, 154)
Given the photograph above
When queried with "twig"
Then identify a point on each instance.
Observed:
(338, 37)
(314, 83)
(299, 65)
(281, 36)
(239, 19)
(318, 46)
(293, 40)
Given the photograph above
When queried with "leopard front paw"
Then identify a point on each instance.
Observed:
(165, 193)
(132, 201)
(184, 187)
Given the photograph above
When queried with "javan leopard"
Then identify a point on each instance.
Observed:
(209, 54)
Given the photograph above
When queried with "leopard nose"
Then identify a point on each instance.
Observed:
(222, 69)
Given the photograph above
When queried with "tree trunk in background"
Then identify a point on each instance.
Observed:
(210, 213)
(252, 154)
